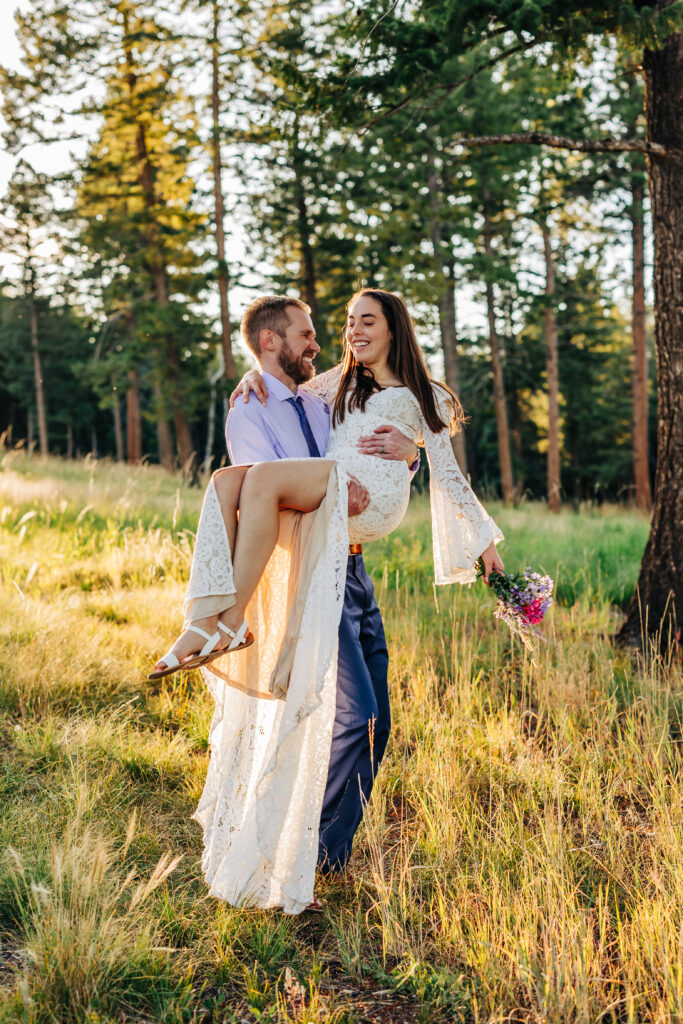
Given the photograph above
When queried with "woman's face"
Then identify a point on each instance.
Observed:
(367, 331)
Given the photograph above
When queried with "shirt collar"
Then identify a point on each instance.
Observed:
(277, 389)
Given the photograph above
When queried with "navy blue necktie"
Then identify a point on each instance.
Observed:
(305, 426)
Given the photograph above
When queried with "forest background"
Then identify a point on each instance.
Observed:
(526, 268)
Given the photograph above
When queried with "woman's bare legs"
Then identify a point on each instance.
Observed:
(228, 483)
(267, 488)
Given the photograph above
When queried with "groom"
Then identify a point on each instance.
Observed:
(287, 424)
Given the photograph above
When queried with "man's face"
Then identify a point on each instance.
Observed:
(299, 347)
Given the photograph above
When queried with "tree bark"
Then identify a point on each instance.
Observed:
(210, 429)
(514, 411)
(118, 428)
(181, 422)
(159, 272)
(657, 605)
(552, 377)
(641, 466)
(219, 205)
(164, 439)
(133, 418)
(606, 145)
(308, 276)
(500, 406)
(37, 364)
(449, 344)
(445, 270)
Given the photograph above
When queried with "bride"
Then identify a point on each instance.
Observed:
(270, 581)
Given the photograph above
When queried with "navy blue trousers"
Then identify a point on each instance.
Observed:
(362, 712)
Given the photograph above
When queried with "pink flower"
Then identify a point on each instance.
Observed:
(533, 612)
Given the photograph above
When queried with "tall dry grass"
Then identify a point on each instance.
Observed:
(521, 857)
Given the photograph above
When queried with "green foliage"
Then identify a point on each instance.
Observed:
(66, 355)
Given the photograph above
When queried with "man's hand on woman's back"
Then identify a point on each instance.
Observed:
(359, 497)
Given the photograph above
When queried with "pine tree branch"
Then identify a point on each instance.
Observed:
(604, 145)
(367, 40)
(448, 87)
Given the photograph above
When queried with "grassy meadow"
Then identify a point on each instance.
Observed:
(522, 855)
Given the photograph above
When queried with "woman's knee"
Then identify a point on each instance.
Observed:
(228, 483)
(260, 481)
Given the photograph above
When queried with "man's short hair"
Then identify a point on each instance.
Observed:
(267, 313)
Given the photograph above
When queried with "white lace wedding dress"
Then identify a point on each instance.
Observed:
(275, 702)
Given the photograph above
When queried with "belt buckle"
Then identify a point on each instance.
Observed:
(355, 549)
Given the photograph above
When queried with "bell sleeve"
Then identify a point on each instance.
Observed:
(461, 527)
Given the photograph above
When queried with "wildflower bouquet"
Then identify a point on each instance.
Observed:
(523, 600)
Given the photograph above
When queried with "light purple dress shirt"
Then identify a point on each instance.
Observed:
(263, 433)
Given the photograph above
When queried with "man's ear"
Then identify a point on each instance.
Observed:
(267, 342)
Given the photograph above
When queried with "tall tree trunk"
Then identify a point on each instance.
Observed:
(158, 270)
(641, 466)
(449, 344)
(29, 433)
(308, 276)
(118, 428)
(133, 418)
(499, 402)
(164, 439)
(210, 429)
(219, 205)
(186, 453)
(552, 377)
(658, 602)
(514, 411)
(443, 258)
(37, 364)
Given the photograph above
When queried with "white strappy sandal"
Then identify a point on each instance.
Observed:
(209, 652)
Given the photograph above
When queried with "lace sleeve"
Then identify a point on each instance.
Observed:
(461, 526)
(324, 384)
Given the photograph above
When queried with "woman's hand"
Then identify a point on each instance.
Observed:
(252, 381)
(389, 443)
(491, 560)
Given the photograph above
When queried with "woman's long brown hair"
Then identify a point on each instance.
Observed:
(405, 361)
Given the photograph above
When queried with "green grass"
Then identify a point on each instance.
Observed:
(521, 858)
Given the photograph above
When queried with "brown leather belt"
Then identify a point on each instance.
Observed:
(355, 549)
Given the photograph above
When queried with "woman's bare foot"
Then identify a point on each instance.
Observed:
(190, 643)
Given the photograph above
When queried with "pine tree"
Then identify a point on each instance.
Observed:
(134, 195)
(27, 213)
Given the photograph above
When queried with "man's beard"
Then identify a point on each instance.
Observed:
(296, 369)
